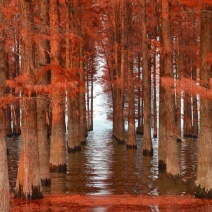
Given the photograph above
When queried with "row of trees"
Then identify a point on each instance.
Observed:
(156, 54)
(167, 40)
(48, 61)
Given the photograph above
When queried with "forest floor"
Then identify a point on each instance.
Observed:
(67, 202)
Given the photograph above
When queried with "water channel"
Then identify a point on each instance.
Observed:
(104, 167)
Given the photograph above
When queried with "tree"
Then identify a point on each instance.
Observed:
(204, 166)
(28, 184)
(4, 180)
(118, 70)
(58, 145)
(43, 99)
(147, 141)
(167, 141)
(131, 135)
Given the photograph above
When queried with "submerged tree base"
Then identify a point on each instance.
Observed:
(173, 177)
(147, 152)
(83, 142)
(74, 149)
(58, 168)
(119, 141)
(139, 130)
(46, 182)
(35, 193)
(77, 148)
(71, 150)
(162, 165)
(190, 135)
(202, 193)
(133, 146)
(17, 133)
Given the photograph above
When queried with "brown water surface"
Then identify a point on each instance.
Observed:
(105, 176)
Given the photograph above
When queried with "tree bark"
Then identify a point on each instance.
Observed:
(140, 127)
(4, 180)
(43, 100)
(195, 108)
(28, 184)
(58, 145)
(118, 119)
(131, 135)
(147, 141)
(204, 165)
(167, 117)
(16, 116)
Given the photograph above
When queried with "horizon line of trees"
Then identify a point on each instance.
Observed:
(157, 55)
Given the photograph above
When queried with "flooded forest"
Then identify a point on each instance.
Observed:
(105, 105)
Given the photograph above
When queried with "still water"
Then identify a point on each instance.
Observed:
(105, 169)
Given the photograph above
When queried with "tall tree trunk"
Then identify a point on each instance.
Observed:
(92, 81)
(131, 135)
(43, 101)
(8, 114)
(16, 116)
(167, 136)
(147, 141)
(140, 127)
(187, 102)
(204, 166)
(195, 110)
(28, 184)
(4, 180)
(155, 117)
(82, 111)
(178, 61)
(58, 145)
(118, 119)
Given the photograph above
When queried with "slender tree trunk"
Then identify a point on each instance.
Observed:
(8, 113)
(204, 166)
(118, 119)
(178, 61)
(139, 129)
(28, 184)
(195, 110)
(4, 180)
(147, 141)
(155, 117)
(43, 101)
(187, 102)
(131, 135)
(58, 145)
(82, 111)
(16, 116)
(92, 81)
(167, 135)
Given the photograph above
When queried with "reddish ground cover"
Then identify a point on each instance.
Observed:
(111, 203)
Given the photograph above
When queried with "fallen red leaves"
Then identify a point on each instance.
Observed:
(111, 203)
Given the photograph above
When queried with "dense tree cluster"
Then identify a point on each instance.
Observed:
(156, 57)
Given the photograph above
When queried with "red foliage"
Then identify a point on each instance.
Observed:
(111, 203)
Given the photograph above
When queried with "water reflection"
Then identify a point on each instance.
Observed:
(105, 167)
